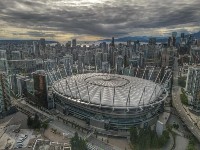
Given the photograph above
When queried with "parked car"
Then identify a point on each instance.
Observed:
(25, 136)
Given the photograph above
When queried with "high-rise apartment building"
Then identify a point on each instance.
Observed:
(193, 86)
(16, 55)
(73, 42)
(98, 60)
(5, 102)
(119, 63)
(81, 64)
(68, 64)
(3, 61)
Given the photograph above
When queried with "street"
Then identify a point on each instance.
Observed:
(176, 101)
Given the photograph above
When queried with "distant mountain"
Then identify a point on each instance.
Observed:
(146, 38)
(135, 38)
(25, 41)
(196, 35)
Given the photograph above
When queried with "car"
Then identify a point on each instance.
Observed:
(18, 147)
(19, 142)
(21, 138)
(16, 131)
(25, 136)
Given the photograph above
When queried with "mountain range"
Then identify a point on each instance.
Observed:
(146, 38)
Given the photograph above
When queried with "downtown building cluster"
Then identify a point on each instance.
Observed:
(36, 68)
(188, 59)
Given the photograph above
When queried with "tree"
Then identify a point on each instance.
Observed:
(182, 81)
(191, 144)
(45, 125)
(146, 138)
(184, 98)
(176, 126)
(133, 135)
(78, 143)
(29, 121)
(34, 123)
(164, 138)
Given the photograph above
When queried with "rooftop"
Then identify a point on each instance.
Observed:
(109, 89)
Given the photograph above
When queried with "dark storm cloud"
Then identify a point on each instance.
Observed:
(104, 19)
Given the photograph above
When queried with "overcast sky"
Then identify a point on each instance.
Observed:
(63, 20)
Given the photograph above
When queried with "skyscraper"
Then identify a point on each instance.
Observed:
(98, 60)
(68, 44)
(42, 46)
(183, 35)
(68, 64)
(36, 51)
(174, 34)
(88, 58)
(73, 42)
(169, 41)
(113, 42)
(40, 88)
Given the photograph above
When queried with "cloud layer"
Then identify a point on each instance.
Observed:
(97, 18)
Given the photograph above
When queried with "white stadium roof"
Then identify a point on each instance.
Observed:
(110, 90)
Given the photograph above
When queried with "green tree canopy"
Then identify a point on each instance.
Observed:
(77, 143)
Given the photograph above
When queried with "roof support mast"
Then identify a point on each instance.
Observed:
(163, 77)
(78, 89)
(128, 98)
(113, 98)
(100, 97)
(67, 82)
(158, 75)
(88, 94)
(49, 76)
(59, 81)
(144, 72)
(137, 71)
(151, 73)
(65, 70)
(142, 95)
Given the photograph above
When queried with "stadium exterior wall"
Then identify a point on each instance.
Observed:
(111, 119)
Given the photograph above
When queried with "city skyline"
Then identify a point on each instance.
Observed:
(90, 20)
(88, 74)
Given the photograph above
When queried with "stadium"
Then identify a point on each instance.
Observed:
(109, 101)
